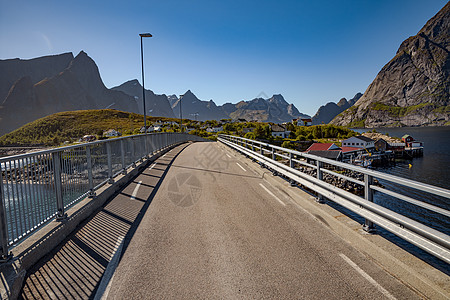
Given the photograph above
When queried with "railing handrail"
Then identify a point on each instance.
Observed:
(429, 239)
(57, 149)
(39, 185)
(439, 191)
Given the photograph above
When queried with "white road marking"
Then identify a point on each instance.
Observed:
(228, 155)
(241, 167)
(272, 194)
(107, 278)
(367, 276)
(133, 196)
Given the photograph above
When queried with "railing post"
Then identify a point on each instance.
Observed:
(291, 161)
(4, 256)
(253, 147)
(262, 153)
(291, 164)
(145, 145)
(109, 155)
(60, 215)
(133, 154)
(122, 154)
(368, 195)
(273, 154)
(90, 176)
(319, 177)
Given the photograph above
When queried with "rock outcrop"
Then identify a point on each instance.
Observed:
(413, 89)
(329, 111)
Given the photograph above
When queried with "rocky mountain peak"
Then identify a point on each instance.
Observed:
(413, 89)
(342, 102)
(86, 70)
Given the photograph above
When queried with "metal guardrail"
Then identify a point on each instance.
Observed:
(39, 186)
(429, 239)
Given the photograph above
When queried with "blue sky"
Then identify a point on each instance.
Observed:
(311, 52)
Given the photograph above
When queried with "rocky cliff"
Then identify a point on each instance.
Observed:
(329, 111)
(62, 85)
(413, 89)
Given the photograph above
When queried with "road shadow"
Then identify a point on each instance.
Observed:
(74, 269)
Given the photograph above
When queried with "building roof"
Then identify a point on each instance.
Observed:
(406, 136)
(364, 138)
(332, 154)
(306, 120)
(322, 147)
(350, 149)
(278, 128)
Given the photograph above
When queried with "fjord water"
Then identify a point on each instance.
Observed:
(433, 168)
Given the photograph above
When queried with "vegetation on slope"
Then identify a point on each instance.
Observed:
(72, 125)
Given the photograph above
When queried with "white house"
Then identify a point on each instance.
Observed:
(214, 129)
(111, 133)
(302, 122)
(279, 131)
(359, 142)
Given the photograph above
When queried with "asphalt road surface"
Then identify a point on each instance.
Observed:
(216, 229)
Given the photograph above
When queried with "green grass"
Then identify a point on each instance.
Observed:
(357, 124)
(442, 110)
(72, 125)
(397, 110)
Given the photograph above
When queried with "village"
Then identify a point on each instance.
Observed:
(369, 149)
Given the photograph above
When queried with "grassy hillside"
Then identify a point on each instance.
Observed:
(72, 125)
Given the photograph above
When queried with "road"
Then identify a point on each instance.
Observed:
(217, 229)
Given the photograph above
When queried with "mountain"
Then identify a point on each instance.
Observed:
(37, 69)
(156, 105)
(195, 109)
(327, 112)
(75, 86)
(413, 89)
(274, 109)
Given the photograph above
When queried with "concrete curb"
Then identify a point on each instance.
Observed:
(32, 249)
(425, 280)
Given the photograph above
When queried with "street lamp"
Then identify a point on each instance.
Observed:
(181, 116)
(142, 35)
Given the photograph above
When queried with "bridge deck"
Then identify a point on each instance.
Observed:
(213, 228)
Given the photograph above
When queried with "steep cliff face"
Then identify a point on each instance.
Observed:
(156, 105)
(329, 111)
(413, 89)
(76, 86)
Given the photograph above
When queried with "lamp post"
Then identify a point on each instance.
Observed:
(181, 116)
(142, 35)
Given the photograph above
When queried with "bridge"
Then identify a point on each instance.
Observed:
(158, 216)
